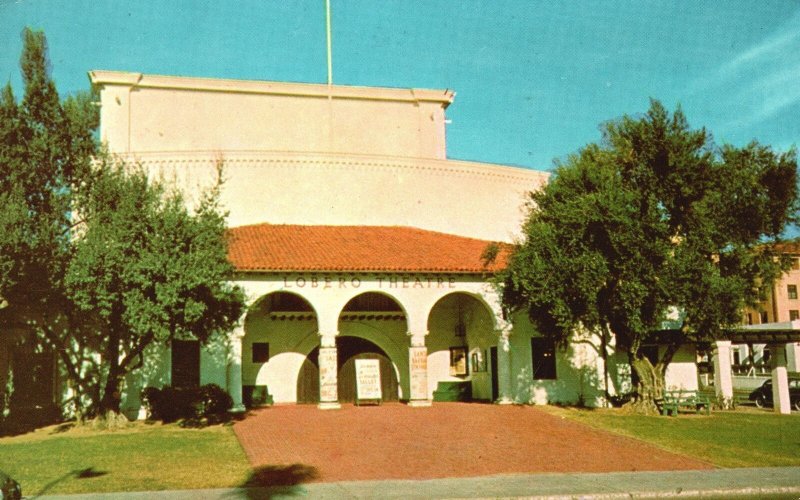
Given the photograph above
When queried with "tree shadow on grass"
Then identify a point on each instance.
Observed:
(86, 473)
(268, 481)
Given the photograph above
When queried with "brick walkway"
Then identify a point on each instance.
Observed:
(293, 444)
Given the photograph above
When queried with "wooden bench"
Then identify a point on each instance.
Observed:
(674, 401)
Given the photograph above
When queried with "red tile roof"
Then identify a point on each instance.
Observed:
(790, 247)
(270, 247)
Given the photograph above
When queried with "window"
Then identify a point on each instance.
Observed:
(749, 318)
(791, 290)
(185, 363)
(260, 352)
(543, 354)
(764, 317)
(794, 314)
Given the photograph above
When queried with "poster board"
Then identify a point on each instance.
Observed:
(368, 381)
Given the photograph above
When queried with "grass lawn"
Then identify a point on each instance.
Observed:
(742, 438)
(141, 457)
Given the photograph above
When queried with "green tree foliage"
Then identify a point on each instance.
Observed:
(45, 148)
(144, 270)
(652, 220)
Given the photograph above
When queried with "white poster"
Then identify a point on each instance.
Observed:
(368, 379)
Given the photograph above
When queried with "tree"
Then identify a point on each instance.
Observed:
(45, 147)
(144, 270)
(652, 221)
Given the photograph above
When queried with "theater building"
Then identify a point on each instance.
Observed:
(354, 236)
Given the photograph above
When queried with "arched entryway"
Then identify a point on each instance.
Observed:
(460, 341)
(280, 330)
(373, 325)
(349, 349)
(352, 348)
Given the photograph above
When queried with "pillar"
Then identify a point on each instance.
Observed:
(793, 356)
(504, 382)
(234, 374)
(723, 378)
(780, 382)
(418, 371)
(328, 373)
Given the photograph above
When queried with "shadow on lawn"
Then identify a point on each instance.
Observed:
(86, 473)
(282, 480)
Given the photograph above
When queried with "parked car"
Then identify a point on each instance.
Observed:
(9, 489)
(763, 395)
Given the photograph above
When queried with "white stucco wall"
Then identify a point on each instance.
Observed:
(295, 155)
(682, 372)
(145, 113)
(579, 369)
(478, 200)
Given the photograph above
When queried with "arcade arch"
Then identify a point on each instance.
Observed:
(379, 323)
(461, 335)
(280, 330)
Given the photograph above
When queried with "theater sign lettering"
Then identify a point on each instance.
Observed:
(385, 281)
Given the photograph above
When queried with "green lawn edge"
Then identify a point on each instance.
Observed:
(727, 439)
(140, 457)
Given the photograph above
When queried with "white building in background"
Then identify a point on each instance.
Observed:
(354, 237)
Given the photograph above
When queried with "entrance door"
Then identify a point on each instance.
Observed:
(185, 363)
(493, 359)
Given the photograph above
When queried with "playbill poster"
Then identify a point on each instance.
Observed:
(368, 379)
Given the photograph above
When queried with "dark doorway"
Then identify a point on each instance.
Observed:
(349, 349)
(493, 361)
(34, 378)
(308, 379)
(185, 363)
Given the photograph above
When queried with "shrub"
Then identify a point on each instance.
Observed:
(212, 401)
(169, 404)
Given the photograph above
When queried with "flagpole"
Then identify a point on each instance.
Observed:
(328, 31)
(330, 74)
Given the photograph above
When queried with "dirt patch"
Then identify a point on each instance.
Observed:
(394, 441)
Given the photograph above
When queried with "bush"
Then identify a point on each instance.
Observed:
(169, 404)
(212, 401)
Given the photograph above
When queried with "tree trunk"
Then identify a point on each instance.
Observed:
(111, 392)
(649, 387)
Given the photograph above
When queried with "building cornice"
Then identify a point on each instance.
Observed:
(102, 78)
(338, 161)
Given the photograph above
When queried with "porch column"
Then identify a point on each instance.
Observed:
(418, 370)
(780, 382)
(793, 356)
(234, 372)
(723, 379)
(328, 373)
(504, 382)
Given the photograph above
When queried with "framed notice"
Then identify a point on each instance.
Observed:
(458, 361)
(477, 360)
(368, 380)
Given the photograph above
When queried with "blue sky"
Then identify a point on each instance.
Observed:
(533, 79)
